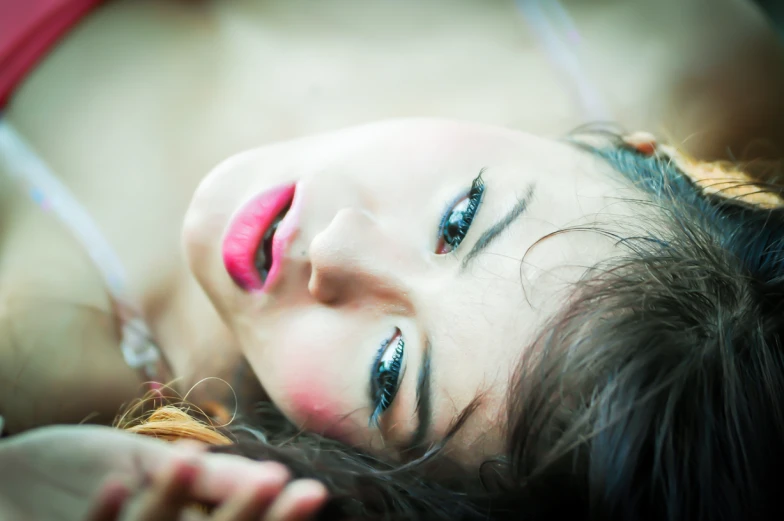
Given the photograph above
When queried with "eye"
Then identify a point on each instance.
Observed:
(385, 375)
(457, 219)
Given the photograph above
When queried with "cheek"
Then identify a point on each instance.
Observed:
(315, 398)
(314, 364)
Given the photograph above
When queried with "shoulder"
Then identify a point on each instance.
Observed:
(59, 361)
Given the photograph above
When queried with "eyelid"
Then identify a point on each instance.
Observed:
(390, 343)
(477, 184)
(464, 194)
(447, 210)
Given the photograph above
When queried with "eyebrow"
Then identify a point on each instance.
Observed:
(424, 400)
(493, 231)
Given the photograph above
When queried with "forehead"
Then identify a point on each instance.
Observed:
(431, 152)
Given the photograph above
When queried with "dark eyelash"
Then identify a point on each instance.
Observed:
(474, 199)
(475, 194)
(384, 392)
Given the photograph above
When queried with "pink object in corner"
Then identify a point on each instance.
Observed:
(28, 30)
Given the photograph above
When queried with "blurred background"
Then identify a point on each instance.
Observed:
(708, 74)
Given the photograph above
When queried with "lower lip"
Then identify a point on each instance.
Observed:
(246, 231)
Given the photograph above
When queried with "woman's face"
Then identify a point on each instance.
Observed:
(394, 290)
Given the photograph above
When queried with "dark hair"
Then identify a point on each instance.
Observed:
(655, 394)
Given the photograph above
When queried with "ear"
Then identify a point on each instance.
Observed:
(643, 142)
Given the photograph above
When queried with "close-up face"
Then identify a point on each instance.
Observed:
(407, 276)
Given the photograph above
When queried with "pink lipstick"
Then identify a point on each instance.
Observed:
(252, 251)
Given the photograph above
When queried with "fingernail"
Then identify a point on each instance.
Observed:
(310, 489)
(273, 470)
(186, 473)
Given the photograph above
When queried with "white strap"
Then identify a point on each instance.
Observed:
(37, 180)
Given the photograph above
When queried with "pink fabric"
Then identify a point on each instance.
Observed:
(28, 30)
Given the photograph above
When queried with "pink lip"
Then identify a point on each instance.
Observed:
(247, 229)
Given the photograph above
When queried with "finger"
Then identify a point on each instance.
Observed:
(168, 493)
(224, 476)
(249, 504)
(110, 501)
(221, 476)
(300, 501)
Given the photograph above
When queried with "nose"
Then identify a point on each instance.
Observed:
(355, 259)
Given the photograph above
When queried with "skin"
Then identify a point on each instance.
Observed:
(144, 480)
(364, 260)
(174, 88)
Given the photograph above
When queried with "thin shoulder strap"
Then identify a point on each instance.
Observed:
(36, 179)
(557, 32)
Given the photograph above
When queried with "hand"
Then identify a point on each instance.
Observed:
(57, 473)
(171, 494)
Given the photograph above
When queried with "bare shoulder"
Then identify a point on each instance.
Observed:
(59, 362)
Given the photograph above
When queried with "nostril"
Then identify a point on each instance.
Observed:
(327, 284)
(321, 290)
(321, 269)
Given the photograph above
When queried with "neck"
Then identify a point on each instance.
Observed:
(195, 341)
